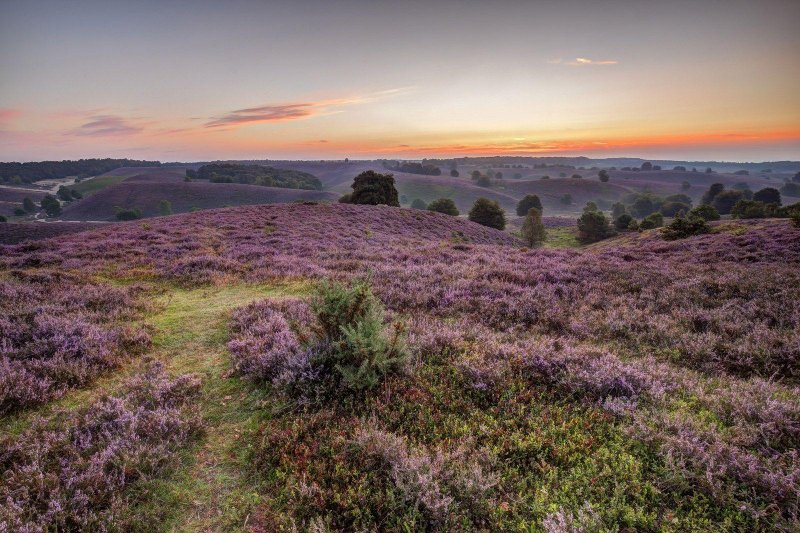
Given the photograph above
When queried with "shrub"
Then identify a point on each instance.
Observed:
(768, 195)
(623, 222)
(75, 194)
(711, 193)
(795, 216)
(444, 205)
(704, 211)
(3, 218)
(51, 206)
(566, 199)
(681, 198)
(28, 205)
(454, 173)
(533, 232)
(577, 176)
(670, 209)
(488, 213)
(127, 213)
(19, 212)
(165, 207)
(484, 181)
(593, 226)
(643, 205)
(652, 221)
(790, 189)
(685, 226)
(748, 209)
(63, 194)
(525, 205)
(603, 176)
(724, 201)
(685, 185)
(419, 204)
(346, 198)
(373, 188)
(618, 209)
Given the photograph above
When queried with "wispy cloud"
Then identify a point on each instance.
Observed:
(106, 126)
(583, 62)
(8, 114)
(296, 110)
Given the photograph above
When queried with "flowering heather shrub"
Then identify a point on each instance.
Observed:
(435, 482)
(70, 473)
(58, 332)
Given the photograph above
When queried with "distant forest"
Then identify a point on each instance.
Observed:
(82, 168)
(412, 167)
(257, 175)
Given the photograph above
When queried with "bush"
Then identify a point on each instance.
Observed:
(617, 210)
(533, 232)
(127, 214)
(346, 198)
(64, 194)
(603, 175)
(724, 201)
(790, 189)
(3, 219)
(488, 213)
(51, 206)
(652, 221)
(528, 202)
(623, 222)
(444, 205)
(484, 181)
(28, 205)
(670, 209)
(418, 204)
(768, 195)
(593, 226)
(748, 209)
(643, 205)
(704, 211)
(372, 188)
(165, 207)
(795, 216)
(566, 199)
(711, 193)
(454, 173)
(19, 212)
(685, 226)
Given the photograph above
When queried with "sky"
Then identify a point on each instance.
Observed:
(204, 80)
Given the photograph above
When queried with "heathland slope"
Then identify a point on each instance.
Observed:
(640, 385)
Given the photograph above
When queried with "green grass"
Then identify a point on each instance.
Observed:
(91, 186)
(562, 238)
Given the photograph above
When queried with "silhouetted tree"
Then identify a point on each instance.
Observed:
(603, 175)
(593, 226)
(768, 195)
(50, 205)
(711, 193)
(647, 166)
(28, 205)
(454, 173)
(724, 201)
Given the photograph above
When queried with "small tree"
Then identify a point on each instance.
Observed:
(566, 199)
(623, 222)
(647, 166)
(484, 181)
(475, 174)
(685, 186)
(768, 195)
(372, 188)
(64, 194)
(749, 209)
(444, 205)
(3, 219)
(28, 205)
(165, 207)
(685, 226)
(704, 211)
(593, 226)
(712, 193)
(603, 176)
(488, 213)
(724, 201)
(525, 205)
(670, 209)
(51, 206)
(454, 173)
(617, 210)
(652, 221)
(419, 204)
(127, 213)
(533, 232)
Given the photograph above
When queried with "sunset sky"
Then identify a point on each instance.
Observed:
(197, 80)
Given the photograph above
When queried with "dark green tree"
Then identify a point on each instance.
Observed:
(28, 205)
(444, 205)
(593, 226)
(373, 188)
(768, 195)
(704, 211)
(711, 193)
(603, 175)
(51, 206)
(524, 205)
(488, 213)
(724, 201)
(533, 232)
(419, 204)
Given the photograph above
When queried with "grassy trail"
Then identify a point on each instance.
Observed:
(210, 493)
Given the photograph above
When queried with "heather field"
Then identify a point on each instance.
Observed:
(196, 372)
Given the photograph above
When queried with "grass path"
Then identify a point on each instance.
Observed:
(210, 493)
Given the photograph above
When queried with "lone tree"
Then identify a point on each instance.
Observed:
(529, 201)
(484, 181)
(444, 205)
(418, 204)
(488, 213)
(533, 232)
(165, 207)
(51, 206)
(373, 188)
(603, 175)
(647, 166)
(768, 195)
(593, 226)
(28, 205)
(454, 173)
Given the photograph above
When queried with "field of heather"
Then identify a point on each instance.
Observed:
(340, 367)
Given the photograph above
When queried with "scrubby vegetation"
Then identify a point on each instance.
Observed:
(488, 213)
(82, 168)
(444, 205)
